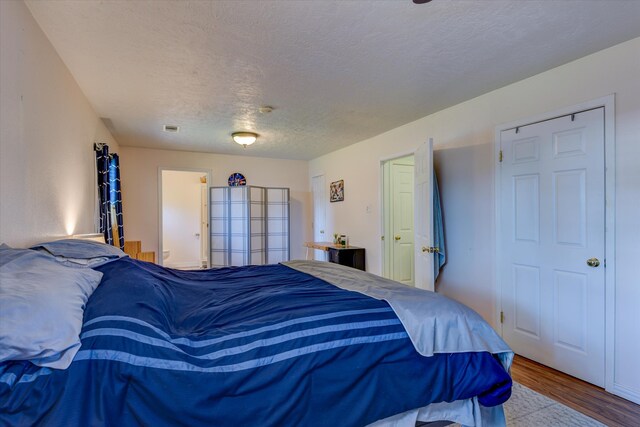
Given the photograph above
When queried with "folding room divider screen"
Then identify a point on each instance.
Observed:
(248, 225)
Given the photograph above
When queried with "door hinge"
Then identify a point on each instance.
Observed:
(500, 156)
(502, 317)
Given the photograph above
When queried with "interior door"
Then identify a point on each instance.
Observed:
(402, 220)
(552, 242)
(319, 218)
(204, 225)
(423, 215)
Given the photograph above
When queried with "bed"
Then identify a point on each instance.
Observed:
(301, 343)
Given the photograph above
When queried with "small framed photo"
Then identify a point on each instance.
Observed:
(336, 191)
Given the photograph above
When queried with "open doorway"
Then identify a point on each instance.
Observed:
(184, 221)
(398, 219)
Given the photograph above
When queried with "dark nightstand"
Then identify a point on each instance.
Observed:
(351, 256)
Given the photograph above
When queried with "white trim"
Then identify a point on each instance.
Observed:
(159, 258)
(497, 194)
(315, 175)
(381, 184)
(185, 265)
(625, 392)
(383, 219)
(313, 215)
(608, 102)
(381, 216)
(610, 243)
(605, 101)
(398, 155)
(382, 161)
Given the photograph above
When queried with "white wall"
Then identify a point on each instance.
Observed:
(47, 182)
(139, 174)
(47, 131)
(465, 178)
(465, 133)
(181, 212)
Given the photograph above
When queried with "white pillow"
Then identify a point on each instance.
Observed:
(41, 307)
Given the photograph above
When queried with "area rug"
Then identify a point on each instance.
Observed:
(527, 408)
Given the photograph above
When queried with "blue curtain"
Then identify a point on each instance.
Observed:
(115, 196)
(110, 197)
(440, 257)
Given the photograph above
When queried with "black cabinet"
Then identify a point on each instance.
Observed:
(350, 256)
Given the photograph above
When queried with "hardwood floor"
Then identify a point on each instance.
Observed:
(583, 397)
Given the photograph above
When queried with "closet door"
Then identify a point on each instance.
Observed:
(258, 212)
(218, 226)
(239, 225)
(277, 225)
(552, 244)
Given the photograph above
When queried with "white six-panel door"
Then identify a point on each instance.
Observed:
(423, 216)
(402, 221)
(552, 236)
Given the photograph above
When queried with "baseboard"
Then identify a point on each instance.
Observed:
(626, 393)
(182, 265)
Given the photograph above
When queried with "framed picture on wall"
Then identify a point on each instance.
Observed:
(336, 191)
(236, 179)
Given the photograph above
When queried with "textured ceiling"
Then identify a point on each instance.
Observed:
(336, 72)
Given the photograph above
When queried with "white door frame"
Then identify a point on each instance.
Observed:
(328, 238)
(159, 258)
(608, 102)
(382, 161)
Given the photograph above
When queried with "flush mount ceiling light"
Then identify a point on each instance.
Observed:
(244, 138)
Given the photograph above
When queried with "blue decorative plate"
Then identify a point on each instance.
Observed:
(236, 179)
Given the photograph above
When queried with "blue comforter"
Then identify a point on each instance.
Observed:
(267, 346)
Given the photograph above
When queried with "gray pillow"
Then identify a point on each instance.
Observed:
(41, 307)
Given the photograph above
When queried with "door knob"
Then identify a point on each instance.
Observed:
(321, 231)
(593, 262)
(397, 237)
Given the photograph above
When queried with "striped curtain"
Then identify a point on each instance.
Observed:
(110, 196)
